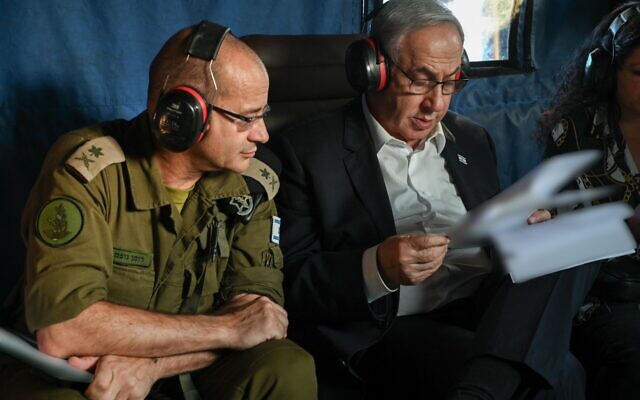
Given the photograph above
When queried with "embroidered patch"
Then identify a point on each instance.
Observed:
(267, 258)
(95, 155)
(59, 222)
(242, 204)
(275, 229)
(128, 257)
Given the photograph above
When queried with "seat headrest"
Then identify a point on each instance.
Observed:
(306, 73)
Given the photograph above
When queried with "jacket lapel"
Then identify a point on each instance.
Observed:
(463, 174)
(362, 167)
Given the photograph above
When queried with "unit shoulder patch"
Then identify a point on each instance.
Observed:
(59, 222)
(95, 155)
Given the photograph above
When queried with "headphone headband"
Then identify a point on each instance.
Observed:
(622, 18)
(205, 42)
(598, 75)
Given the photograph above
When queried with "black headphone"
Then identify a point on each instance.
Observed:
(598, 73)
(181, 113)
(368, 69)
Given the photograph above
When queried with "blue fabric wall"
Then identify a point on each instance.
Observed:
(67, 63)
(64, 64)
(509, 106)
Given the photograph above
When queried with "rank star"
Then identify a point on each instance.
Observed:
(96, 151)
(265, 173)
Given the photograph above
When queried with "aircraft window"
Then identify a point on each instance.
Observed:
(486, 24)
(497, 34)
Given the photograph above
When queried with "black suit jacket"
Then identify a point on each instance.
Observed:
(334, 205)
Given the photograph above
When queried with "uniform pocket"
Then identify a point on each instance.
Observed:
(130, 285)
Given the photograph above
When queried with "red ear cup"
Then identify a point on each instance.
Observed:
(180, 117)
(181, 113)
(366, 67)
(368, 70)
(381, 64)
(199, 98)
(203, 103)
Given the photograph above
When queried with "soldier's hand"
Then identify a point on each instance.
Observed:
(118, 377)
(252, 319)
(410, 259)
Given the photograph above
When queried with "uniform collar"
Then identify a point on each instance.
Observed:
(147, 188)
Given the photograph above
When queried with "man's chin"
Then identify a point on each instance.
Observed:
(240, 166)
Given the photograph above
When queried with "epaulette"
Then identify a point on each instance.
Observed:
(265, 175)
(94, 156)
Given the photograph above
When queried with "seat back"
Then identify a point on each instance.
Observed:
(307, 77)
(306, 72)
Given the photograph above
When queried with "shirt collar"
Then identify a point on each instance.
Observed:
(381, 137)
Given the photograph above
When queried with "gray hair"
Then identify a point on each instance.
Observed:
(397, 17)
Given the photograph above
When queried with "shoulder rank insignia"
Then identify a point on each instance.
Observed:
(59, 222)
(95, 155)
(265, 175)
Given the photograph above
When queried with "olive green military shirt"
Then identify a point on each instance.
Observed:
(110, 232)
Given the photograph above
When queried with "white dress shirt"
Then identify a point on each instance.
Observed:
(425, 200)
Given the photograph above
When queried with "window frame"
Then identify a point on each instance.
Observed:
(518, 61)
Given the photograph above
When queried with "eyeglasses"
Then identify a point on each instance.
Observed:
(422, 86)
(244, 118)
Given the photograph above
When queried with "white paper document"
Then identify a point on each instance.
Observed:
(56, 367)
(564, 242)
(528, 251)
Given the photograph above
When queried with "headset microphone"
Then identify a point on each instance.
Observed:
(262, 179)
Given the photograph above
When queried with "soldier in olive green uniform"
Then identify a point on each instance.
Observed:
(136, 268)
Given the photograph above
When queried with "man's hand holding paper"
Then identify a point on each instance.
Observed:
(410, 259)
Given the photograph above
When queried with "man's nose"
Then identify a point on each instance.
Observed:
(434, 100)
(259, 132)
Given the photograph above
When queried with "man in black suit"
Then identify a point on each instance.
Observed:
(366, 195)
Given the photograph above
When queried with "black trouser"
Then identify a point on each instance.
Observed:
(529, 324)
(608, 345)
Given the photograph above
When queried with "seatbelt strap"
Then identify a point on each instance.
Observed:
(190, 305)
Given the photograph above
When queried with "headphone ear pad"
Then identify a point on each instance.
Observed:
(465, 64)
(179, 118)
(365, 66)
(597, 74)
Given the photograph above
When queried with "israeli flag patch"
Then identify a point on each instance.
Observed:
(275, 229)
(462, 159)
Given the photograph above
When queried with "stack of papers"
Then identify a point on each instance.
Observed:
(528, 251)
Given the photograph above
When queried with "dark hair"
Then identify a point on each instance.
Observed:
(572, 94)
